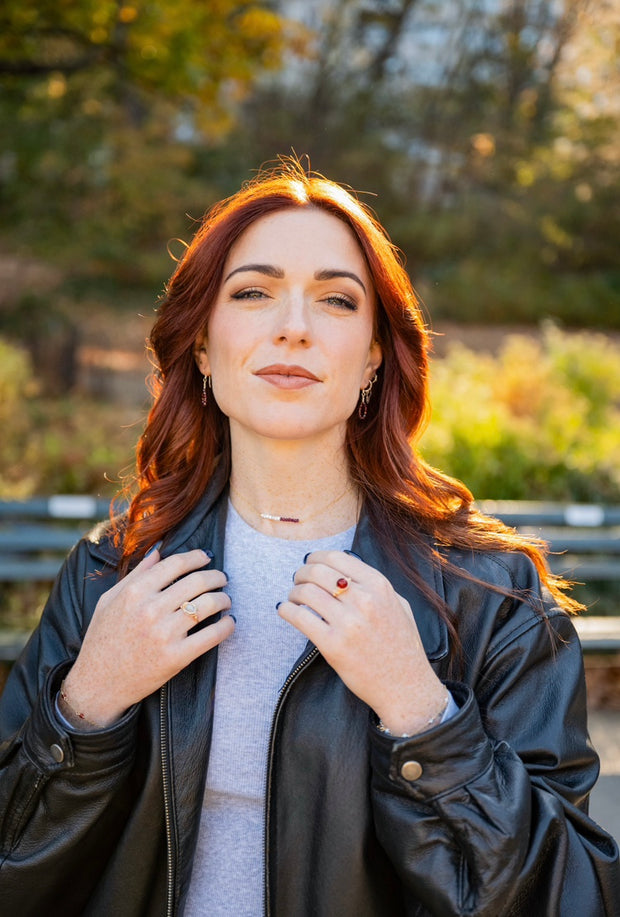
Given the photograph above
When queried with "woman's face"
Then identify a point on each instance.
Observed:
(290, 340)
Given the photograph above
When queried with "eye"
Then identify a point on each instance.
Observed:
(250, 293)
(342, 302)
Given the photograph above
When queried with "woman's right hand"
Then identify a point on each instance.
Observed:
(138, 637)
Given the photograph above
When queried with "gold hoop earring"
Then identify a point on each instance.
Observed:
(365, 394)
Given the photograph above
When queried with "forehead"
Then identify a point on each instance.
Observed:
(304, 237)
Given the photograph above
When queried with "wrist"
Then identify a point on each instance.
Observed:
(70, 712)
(85, 710)
(409, 725)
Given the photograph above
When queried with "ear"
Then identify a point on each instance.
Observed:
(201, 357)
(375, 359)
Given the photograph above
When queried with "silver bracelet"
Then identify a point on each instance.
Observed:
(432, 722)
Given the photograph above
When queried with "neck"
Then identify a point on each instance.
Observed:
(294, 480)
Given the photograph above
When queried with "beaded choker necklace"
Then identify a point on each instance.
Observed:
(294, 519)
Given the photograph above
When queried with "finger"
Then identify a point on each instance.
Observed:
(306, 621)
(192, 585)
(159, 575)
(205, 639)
(150, 559)
(331, 580)
(341, 561)
(317, 599)
(190, 613)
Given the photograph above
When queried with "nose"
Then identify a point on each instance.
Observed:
(293, 320)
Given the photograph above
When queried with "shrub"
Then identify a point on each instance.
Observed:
(541, 420)
(58, 445)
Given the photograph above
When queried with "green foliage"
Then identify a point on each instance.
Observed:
(109, 104)
(488, 134)
(66, 445)
(539, 421)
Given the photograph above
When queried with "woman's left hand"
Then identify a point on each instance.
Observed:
(368, 634)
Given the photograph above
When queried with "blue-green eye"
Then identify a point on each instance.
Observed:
(248, 294)
(343, 302)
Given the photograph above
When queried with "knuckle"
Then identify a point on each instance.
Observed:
(133, 593)
(366, 604)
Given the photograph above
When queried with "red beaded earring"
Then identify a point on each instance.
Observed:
(365, 393)
(206, 380)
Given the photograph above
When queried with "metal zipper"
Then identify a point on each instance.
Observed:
(283, 691)
(165, 771)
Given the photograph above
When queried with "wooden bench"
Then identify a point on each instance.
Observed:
(35, 536)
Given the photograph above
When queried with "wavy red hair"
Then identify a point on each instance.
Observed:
(405, 498)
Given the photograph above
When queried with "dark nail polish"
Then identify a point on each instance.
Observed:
(278, 605)
(226, 575)
(209, 554)
(307, 556)
(233, 617)
(155, 547)
(353, 554)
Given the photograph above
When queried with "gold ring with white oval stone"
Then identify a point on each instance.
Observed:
(191, 610)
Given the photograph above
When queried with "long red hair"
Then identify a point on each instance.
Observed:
(406, 499)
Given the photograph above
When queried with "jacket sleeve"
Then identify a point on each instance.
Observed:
(62, 792)
(486, 814)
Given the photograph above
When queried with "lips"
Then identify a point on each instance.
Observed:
(285, 376)
(280, 369)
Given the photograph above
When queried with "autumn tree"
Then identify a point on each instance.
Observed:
(108, 102)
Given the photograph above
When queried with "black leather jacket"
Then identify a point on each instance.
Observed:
(495, 823)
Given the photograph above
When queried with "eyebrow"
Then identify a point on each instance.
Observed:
(332, 274)
(267, 269)
(271, 271)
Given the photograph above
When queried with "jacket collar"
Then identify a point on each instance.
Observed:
(185, 536)
(432, 629)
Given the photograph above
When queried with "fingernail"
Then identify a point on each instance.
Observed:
(353, 554)
(226, 575)
(155, 547)
(278, 605)
(233, 617)
(307, 556)
(294, 575)
(209, 554)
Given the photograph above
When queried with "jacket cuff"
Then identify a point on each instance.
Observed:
(53, 747)
(440, 760)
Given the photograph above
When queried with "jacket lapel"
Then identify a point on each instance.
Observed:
(433, 631)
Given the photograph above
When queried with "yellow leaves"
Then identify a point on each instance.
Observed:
(484, 145)
(99, 35)
(259, 23)
(554, 233)
(56, 85)
(526, 174)
(127, 14)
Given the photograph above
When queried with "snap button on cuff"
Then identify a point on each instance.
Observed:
(411, 770)
(57, 753)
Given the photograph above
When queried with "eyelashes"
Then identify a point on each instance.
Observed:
(337, 299)
(249, 294)
(343, 302)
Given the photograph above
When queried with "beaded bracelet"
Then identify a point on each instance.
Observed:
(432, 722)
(73, 711)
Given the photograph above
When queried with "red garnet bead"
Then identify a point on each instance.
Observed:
(342, 583)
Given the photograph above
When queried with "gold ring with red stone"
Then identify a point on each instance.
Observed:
(341, 586)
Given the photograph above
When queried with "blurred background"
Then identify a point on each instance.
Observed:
(484, 133)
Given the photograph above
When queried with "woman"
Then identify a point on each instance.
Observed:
(378, 709)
